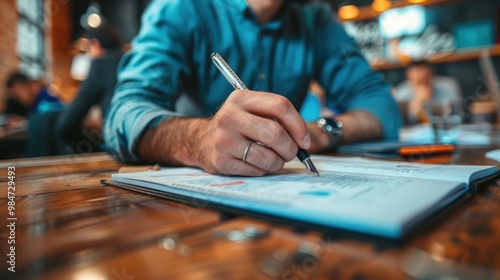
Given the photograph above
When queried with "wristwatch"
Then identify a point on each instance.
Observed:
(333, 128)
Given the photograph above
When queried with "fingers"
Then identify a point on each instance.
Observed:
(277, 107)
(224, 150)
(240, 168)
(423, 93)
(224, 164)
(233, 145)
(249, 117)
(236, 167)
(262, 157)
(270, 134)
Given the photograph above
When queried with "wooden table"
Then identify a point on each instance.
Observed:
(69, 226)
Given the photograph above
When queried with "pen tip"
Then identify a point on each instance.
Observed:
(213, 54)
(310, 166)
(315, 171)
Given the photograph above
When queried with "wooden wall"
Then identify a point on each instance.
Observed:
(59, 44)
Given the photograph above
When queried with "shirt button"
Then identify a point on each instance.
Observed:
(262, 76)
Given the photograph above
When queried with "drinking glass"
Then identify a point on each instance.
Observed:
(445, 117)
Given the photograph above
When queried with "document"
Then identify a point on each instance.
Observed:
(370, 196)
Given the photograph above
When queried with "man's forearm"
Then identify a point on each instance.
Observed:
(357, 126)
(172, 142)
(360, 126)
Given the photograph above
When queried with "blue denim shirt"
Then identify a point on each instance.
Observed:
(169, 71)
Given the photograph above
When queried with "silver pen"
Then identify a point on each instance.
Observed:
(235, 81)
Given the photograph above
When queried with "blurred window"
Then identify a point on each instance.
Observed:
(30, 37)
(402, 21)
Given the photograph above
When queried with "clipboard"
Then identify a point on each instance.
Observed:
(203, 192)
(229, 212)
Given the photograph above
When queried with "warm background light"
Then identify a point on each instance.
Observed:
(348, 12)
(94, 20)
(381, 5)
(416, 1)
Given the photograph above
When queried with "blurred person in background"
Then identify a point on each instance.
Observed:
(422, 86)
(26, 97)
(32, 101)
(82, 120)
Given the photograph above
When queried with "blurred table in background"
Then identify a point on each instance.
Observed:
(69, 226)
(12, 142)
(470, 135)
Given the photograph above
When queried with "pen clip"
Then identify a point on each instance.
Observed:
(228, 73)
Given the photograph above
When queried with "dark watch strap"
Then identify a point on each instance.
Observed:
(334, 130)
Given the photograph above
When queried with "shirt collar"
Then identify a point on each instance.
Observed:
(244, 9)
(242, 6)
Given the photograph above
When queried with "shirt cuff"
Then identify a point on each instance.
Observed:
(122, 133)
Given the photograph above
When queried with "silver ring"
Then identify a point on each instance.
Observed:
(247, 149)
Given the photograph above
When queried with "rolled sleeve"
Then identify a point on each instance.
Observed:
(126, 121)
(150, 78)
(351, 83)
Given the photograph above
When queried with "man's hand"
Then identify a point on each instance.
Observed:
(423, 95)
(218, 144)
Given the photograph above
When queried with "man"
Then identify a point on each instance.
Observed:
(27, 96)
(420, 88)
(18, 101)
(172, 106)
(30, 100)
(105, 50)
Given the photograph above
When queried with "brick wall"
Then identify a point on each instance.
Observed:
(8, 47)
